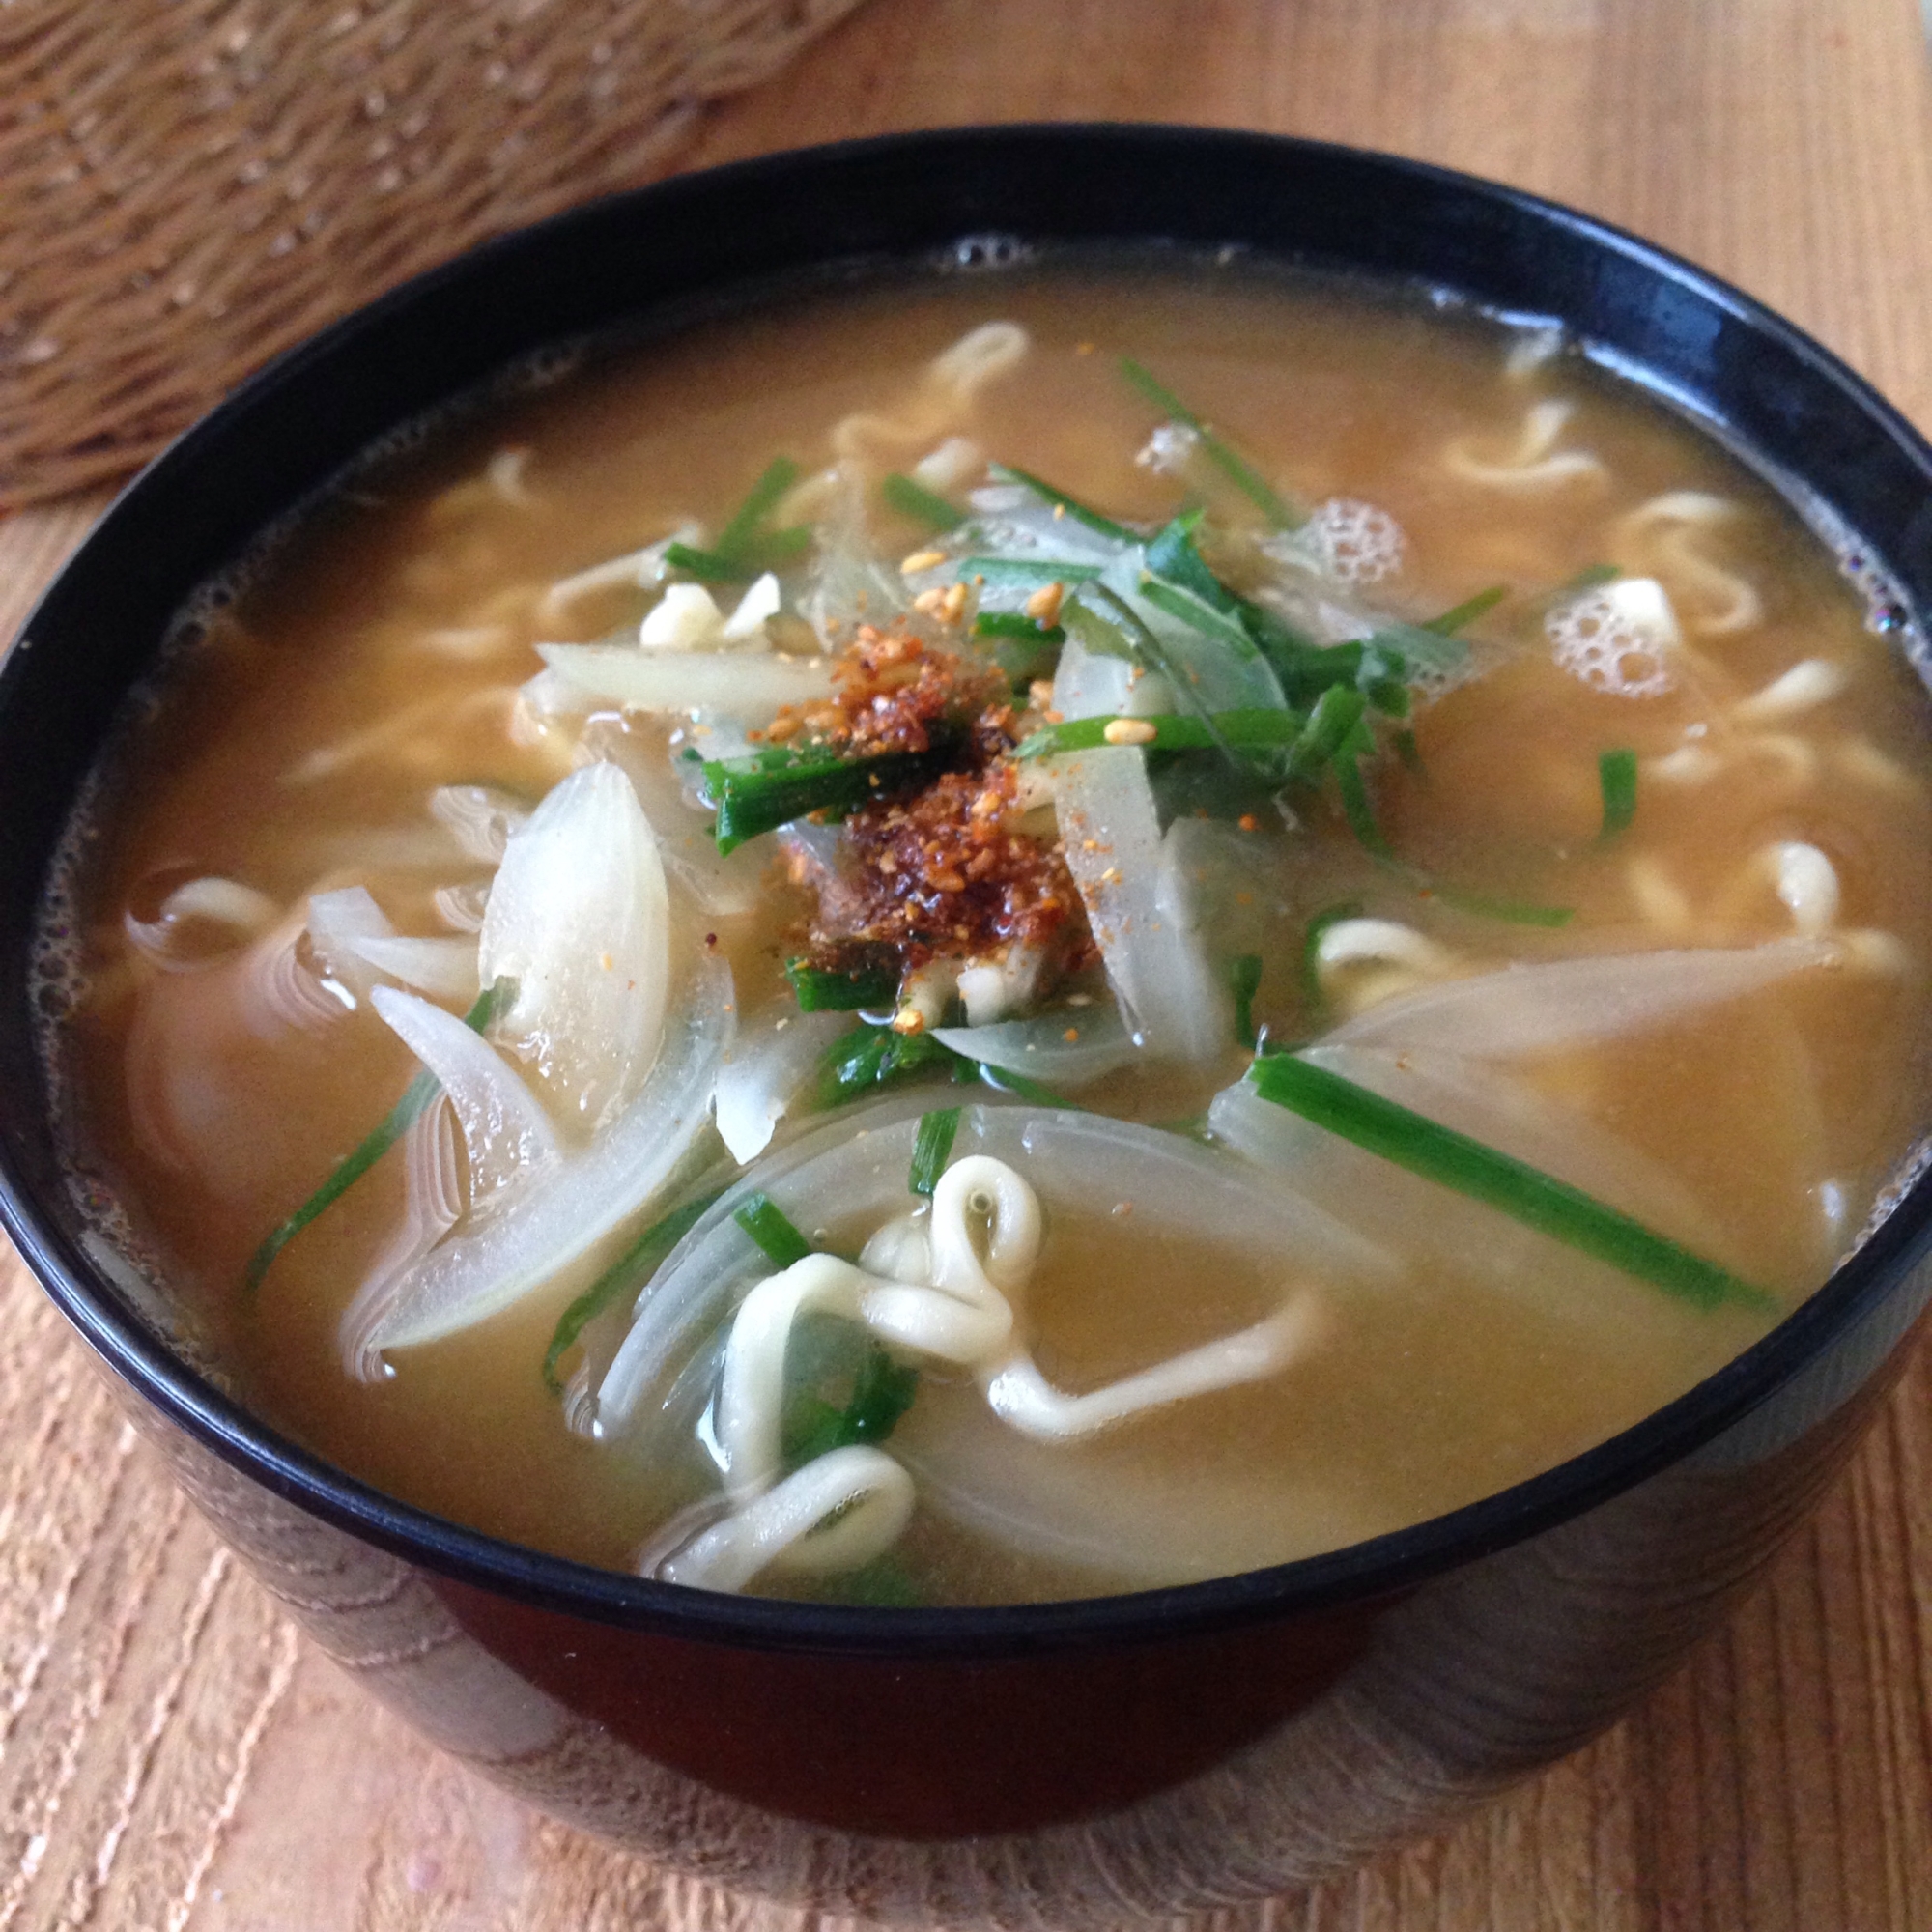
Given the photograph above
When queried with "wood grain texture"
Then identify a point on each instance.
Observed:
(172, 1756)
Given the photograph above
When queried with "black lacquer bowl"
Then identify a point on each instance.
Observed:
(1062, 1764)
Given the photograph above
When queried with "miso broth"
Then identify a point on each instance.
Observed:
(1301, 728)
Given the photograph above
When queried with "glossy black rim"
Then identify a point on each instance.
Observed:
(1802, 413)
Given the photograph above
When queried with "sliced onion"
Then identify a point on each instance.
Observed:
(443, 967)
(1573, 1003)
(336, 922)
(1130, 1520)
(1218, 676)
(755, 684)
(1154, 958)
(1066, 1049)
(1090, 684)
(723, 885)
(770, 1064)
(213, 901)
(432, 1203)
(1466, 1236)
(580, 920)
(480, 819)
(536, 1231)
(506, 1134)
(1072, 1160)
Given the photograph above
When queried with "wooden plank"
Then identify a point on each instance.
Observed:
(172, 1756)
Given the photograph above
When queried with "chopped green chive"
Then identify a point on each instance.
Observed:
(708, 566)
(1616, 778)
(1512, 912)
(759, 794)
(872, 1056)
(1003, 1080)
(766, 1221)
(417, 1098)
(1166, 731)
(1025, 572)
(1468, 611)
(1527, 1194)
(1022, 649)
(932, 1149)
(743, 532)
(825, 990)
(1319, 742)
(1592, 576)
(1198, 614)
(636, 1266)
(1274, 507)
(1358, 810)
(1072, 506)
(922, 505)
(1016, 624)
(1244, 980)
(882, 1391)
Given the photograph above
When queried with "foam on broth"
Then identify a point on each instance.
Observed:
(379, 657)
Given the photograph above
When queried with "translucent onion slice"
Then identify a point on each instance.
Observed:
(770, 1063)
(432, 1203)
(1466, 1236)
(1574, 1002)
(724, 885)
(755, 684)
(579, 917)
(1120, 1517)
(506, 1134)
(1066, 1049)
(1090, 684)
(534, 1232)
(1072, 1160)
(480, 819)
(445, 967)
(1155, 962)
(336, 921)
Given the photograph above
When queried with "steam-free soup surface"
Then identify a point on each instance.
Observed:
(1676, 733)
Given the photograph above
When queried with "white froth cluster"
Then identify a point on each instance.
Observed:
(1619, 639)
(1359, 542)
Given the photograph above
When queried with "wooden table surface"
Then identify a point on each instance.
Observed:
(173, 1755)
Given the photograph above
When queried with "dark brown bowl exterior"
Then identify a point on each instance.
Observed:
(1058, 1764)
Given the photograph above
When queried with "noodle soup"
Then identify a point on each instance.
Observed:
(1112, 930)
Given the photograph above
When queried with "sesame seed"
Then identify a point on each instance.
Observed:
(1138, 731)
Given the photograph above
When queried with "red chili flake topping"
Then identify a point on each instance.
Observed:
(946, 872)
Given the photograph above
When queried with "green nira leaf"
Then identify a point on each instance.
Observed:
(921, 505)
(828, 990)
(931, 1149)
(1275, 508)
(1081, 512)
(882, 1391)
(1616, 778)
(1244, 982)
(417, 1098)
(625, 1275)
(759, 794)
(767, 1223)
(1513, 1187)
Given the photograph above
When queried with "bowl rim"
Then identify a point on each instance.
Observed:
(1379, 1568)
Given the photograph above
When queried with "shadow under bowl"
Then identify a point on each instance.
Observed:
(1058, 1763)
